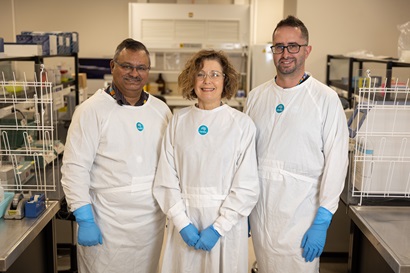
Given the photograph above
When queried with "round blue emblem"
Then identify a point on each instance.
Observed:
(280, 108)
(139, 126)
(203, 130)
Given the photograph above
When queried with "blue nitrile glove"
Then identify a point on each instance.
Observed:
(314, 239)
(207, 239)
(190, 234)
(88, 232)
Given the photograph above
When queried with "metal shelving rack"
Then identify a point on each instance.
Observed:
(380, 130)
(30, 121)
(357, 64)
(39, 60)
(14, 102)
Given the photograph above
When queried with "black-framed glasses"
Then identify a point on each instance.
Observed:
(141, 69)
(213, 75)
(292, 48)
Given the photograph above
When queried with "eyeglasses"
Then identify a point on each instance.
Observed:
(213, 75)
(141, 69)
(292, 48)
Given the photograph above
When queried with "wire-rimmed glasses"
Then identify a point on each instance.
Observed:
(213, 75)
(141, 69)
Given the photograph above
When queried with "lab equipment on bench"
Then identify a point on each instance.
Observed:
(380, 132)
(35, 205)
(16, 208)
(4, 204)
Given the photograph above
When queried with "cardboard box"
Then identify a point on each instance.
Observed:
(82, 80)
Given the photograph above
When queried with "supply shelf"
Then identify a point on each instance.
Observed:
(39, 60)
(343, 72)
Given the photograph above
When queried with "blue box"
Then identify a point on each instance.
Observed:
(75, 46)
(24, 38)
(44, 41)
(61, 50)
(34, 208)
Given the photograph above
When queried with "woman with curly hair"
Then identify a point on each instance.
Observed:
(207, 180)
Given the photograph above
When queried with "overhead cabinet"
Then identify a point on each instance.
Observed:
(169, 25)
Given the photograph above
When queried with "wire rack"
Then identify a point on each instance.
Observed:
(380, 130)
(27, 144)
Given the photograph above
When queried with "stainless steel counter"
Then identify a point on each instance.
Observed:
(388, 230)
(16, 235)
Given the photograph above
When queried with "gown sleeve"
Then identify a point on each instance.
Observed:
(167, 190)
(79, 153)
(244, 191)
(335, 149)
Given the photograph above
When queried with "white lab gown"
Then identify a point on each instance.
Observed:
(110, 159)
(302, 162)
(208, 178)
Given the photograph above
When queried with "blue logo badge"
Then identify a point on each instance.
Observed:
(203, 130)
(280, 108)
(139, 126)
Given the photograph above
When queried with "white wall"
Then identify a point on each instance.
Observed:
(336, 27)
(6, 20)
(267, 13)
(101, 24)
(339, 27)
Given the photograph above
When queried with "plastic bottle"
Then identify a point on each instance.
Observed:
(63, 73)
(57, 76)
(161, 84)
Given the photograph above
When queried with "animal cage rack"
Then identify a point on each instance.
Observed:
(380, 134)
(27, 145)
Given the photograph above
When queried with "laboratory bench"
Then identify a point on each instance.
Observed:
(29, 244)
(379, 239)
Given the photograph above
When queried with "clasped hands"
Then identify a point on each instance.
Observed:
(205, 240)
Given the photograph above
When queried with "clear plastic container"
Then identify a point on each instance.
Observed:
(8, 197)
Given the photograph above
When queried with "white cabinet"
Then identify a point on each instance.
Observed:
(173, 33)
(169, 25)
